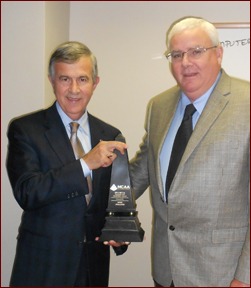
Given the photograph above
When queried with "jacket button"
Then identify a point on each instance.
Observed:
(171, 227)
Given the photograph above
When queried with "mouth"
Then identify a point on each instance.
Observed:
(188, 75)
(73, 99)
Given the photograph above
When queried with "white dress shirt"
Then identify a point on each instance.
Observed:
(83, 134)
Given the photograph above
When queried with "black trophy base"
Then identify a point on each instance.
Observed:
(122, 229)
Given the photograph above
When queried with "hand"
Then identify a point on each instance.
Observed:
(114, 243)
(102, 154)
(237, 283)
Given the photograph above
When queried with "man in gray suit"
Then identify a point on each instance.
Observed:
(201, 224)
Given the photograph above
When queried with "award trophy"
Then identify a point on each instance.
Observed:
(122, 224)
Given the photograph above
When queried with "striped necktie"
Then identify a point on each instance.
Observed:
(79, 153)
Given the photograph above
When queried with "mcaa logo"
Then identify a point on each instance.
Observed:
(124, 187)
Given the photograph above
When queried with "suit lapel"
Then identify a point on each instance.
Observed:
(59, 141)
(162, 124)
(58, 138)
(57, 135)
(97, 132)
(165, 116)
(216, 104)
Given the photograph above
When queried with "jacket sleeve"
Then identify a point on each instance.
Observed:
(37, 176)
(120, 250)
(139, 163)
(243, 268)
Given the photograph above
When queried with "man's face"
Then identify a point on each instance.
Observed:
(195, 76)
(73, 86)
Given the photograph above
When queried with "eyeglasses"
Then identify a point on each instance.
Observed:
(192, 53)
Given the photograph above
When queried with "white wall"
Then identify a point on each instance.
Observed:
(127, 37)
(30, 30)
(56, 30)
(22, 91)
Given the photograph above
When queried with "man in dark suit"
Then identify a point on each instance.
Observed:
(56, 243)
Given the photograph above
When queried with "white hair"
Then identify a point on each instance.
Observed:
(190, 23)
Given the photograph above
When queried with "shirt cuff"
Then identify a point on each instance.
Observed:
(85, 168)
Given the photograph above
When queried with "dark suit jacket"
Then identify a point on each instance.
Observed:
(49, 185)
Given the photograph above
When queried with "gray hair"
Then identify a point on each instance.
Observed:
(189, 23)
(70, 52)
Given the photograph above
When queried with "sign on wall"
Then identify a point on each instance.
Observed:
(235, 40)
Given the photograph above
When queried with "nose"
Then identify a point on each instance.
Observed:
(185, 59)
(74, 87)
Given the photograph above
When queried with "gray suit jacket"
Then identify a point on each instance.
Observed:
(201, 238)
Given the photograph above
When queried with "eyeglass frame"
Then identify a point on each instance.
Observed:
(203, 49)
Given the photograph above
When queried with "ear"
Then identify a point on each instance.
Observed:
(219, 53)
(96, 82)
(51, 80)
(52, 83)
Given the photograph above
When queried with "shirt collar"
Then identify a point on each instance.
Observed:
(83, 121)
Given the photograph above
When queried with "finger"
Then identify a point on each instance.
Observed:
(112, 243)
(120, 146)
(107, 161)
(112, 145)
(110, 155)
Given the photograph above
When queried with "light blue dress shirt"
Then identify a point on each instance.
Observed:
(83, 134)
(166, 150)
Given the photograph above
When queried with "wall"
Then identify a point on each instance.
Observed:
(30, 30)
(235, 41)
(56, 30)
(128, 39)
(22, 83)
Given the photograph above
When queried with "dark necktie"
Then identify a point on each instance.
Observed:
(79, 152)
(181, 139)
